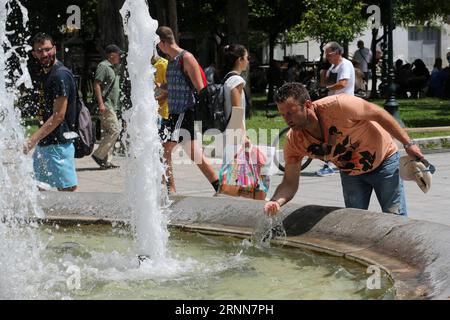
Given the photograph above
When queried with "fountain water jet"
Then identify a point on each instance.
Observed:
(19, 245)
(144, 168)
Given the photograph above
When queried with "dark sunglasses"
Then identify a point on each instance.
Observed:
(429, 167)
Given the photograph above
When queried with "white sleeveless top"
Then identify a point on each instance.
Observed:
(231, 83)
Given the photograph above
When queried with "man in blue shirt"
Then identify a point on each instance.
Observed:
(53, 158)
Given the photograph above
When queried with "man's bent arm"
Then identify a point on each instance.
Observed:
(59, 113)
(388, 122)
(289, 186)
(341, 84)
(192, 69)
(286, 190)
(98, 92)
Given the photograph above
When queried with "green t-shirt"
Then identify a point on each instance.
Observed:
(106, 73)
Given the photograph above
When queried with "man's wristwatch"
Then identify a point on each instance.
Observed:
(408, 145)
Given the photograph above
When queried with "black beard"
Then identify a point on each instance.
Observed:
(50, 62)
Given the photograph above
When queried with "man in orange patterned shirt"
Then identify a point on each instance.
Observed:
(355, 135)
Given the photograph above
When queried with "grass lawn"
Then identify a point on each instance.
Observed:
(30, 130)
(426, 112)
(416, 113)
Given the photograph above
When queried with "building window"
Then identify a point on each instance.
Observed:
(424, 43)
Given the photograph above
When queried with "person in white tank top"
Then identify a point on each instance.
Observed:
(234, 62)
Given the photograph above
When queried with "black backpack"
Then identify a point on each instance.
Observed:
(210, 107)
(84, 143)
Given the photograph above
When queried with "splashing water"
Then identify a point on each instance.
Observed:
(19, 246)
(268, 228)
(144, 168)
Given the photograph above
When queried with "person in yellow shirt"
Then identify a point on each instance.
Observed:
(161, 92)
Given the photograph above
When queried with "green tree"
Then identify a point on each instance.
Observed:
(331, 20)
(274, 18)
(419, 11)
(201, 21)
(201, 15)
(110, 28)
(237, 21)
(46, 16)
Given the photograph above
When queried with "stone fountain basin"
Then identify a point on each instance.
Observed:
(415, 254)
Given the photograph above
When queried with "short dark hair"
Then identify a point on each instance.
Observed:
(112, 48)
(294, 90)
(231, 53)
(165, 34)
(40, 38)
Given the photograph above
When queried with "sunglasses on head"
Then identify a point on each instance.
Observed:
(428, 166)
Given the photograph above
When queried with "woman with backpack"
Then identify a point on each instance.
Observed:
(235, 61)
(241, 173)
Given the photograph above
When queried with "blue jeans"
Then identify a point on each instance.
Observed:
(386, 182)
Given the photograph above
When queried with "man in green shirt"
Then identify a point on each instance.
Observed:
(107, 93)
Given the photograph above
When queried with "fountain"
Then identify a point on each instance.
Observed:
(64, 259)
(104, 258)
(144, 168)
(204, 267)
(19, 245)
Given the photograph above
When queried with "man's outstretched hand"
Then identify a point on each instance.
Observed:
(271, 208)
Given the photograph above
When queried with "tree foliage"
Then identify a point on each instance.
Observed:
(274, 17)
(407, 12)
(420, 11)
(201, 15)
(331, 20)
(46, 16)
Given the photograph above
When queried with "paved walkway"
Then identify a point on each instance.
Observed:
(433, 206)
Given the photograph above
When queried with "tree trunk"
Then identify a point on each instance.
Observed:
(345, 47)
(110, 28)
(173, 17)
(237, 21)
(321, 64)
(273, 74)
(373, 47)
(160, 9)
(237, 30)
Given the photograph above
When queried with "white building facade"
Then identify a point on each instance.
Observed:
(410, 43)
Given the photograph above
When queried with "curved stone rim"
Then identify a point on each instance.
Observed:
(413, 253)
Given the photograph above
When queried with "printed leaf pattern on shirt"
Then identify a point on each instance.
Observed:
(367, 160)
(343, 150)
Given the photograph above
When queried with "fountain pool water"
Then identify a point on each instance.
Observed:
(203, 267)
